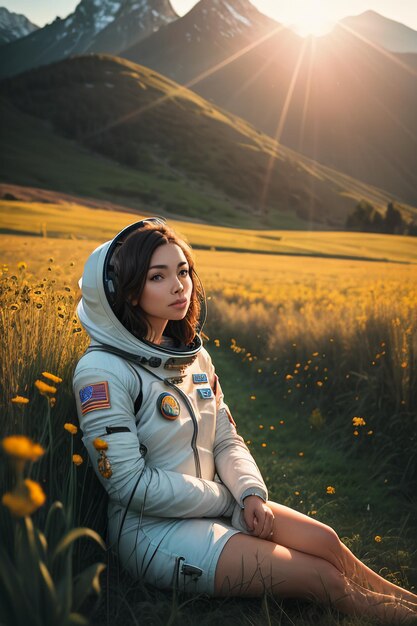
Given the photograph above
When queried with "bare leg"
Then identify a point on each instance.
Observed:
(249, 566)
(300, 532)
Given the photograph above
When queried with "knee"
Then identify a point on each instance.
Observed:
(331, 584)
(331, 540)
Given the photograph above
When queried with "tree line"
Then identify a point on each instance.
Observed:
(366, 218)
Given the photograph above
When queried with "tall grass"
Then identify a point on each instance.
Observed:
(344, 343)
(330, 340)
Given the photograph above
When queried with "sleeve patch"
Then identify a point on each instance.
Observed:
(95, 397)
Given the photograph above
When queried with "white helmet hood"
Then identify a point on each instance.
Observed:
(97, 317)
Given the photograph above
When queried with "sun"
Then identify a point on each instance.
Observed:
(312, 23)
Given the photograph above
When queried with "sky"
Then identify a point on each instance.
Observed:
(296, 12)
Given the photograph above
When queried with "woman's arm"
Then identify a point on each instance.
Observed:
(156, 492)
(234, 463)
(237, 469)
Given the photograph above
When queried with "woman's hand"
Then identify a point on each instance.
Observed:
(259, 517)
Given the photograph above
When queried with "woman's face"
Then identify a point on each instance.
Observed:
(168, 287)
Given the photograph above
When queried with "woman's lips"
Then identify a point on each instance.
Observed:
(179, 304)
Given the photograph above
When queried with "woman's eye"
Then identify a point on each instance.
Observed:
(184, 272)
(156, 277)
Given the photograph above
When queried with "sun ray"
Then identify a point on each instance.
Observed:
(377, 101)
(381, 50)
(280, 126)
(181, 88)
(307, 94)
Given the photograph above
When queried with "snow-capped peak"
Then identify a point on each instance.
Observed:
(14, 26)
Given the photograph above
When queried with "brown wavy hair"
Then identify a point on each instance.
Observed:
(131, 262)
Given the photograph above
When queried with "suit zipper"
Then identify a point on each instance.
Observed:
(195, 423)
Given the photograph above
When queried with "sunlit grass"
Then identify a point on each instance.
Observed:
(80, 223)
(318, 361)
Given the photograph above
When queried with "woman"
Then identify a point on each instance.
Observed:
(188, 507)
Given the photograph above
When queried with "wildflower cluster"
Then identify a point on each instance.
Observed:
(27, 495)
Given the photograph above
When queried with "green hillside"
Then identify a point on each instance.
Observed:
(164, 148)
(33, 154)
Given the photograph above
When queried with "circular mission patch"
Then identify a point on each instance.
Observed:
(168, 406)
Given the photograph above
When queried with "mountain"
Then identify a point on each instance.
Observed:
(336, 99)
(14, 26)
(94, 26)
(155, 145)
(382, 31)
(212, 31)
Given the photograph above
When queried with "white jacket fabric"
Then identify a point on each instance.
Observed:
(177, 477)
(159, 470)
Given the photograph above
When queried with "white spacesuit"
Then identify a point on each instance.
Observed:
(175, 469)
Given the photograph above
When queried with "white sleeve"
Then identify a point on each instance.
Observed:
(235, 465)
(153, 491)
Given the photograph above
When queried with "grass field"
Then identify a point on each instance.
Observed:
(77, 222)
(302, 346)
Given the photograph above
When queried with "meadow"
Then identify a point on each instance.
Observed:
(318, 359)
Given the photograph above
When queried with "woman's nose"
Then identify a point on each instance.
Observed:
(177, 286)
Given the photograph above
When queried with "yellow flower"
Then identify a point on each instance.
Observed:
(289, 377)
(52, 401)
(261, 426)
(21, 266)
(100, 444)
(55, 379)
(358, 421)
(356, 433)
(77, 459)
(301, 454)
(71, 428)
(253, 397)
(378, 538)
(217, 342)
(21, 447)
(296, 493)
(315, 354)
(263, 445)
(319, 383)
(330, 489)
(43, 388)
(313, 512)
(20, 400)
(24, 499)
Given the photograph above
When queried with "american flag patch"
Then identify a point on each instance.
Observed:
(94, 397)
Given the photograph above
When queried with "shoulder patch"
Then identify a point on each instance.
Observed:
(95, 396)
